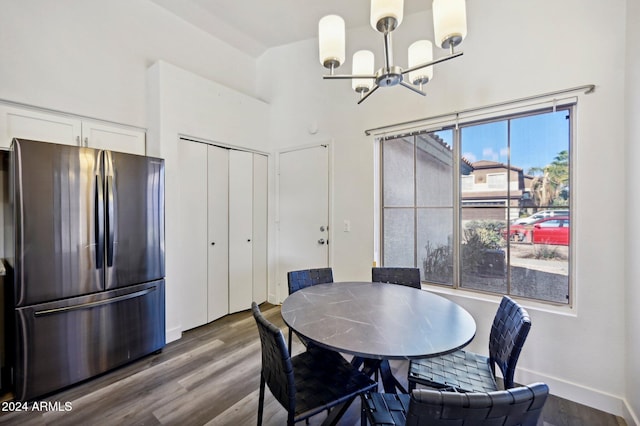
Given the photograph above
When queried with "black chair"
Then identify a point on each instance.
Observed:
(517, 406)
(308, 383)
(404, 276)
(298, 280)
(470, 372)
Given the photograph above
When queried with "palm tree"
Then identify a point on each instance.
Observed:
(551, 185)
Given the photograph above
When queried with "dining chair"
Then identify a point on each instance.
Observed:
(471, 372)
(517, 406)
(308, 383)
(304, 278)
(404, 276)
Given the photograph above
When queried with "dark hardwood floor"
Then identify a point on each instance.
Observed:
(211, 377)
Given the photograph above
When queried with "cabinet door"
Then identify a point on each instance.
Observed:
(114, 138)
(240, 230)
(192, 255)
(40, 126)
(260, 190)
(218, 230)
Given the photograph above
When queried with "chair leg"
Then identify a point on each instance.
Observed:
(261, 400)
(290, 337)
(363, 415)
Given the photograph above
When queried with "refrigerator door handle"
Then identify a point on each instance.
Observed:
(111, 222)
(90, 305)
(99, 225)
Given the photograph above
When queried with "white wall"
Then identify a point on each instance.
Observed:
(514, 49)
(632, 86)
(90, 57)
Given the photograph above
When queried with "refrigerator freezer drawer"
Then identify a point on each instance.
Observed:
(64, 342)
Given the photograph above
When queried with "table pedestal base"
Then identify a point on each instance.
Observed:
(373, 367)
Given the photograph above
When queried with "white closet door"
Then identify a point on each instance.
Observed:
(218, 252)
(240, 230)
(260, 188)
(193, 223)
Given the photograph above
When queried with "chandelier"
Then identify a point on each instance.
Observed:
(450, 28)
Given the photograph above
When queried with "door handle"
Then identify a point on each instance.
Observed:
(321, 241)
(99, 218)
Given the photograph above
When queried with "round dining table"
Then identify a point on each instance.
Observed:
(378, 321)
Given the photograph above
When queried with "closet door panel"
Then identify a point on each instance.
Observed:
(240, 230)
(260, 190)
(193, 225)
(218, 247)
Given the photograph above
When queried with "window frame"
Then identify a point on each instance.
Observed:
(456, 126)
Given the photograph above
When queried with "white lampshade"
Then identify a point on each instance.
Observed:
(449, 22)
(420, 52)
(331, 40)
(362, 64)
(381, 9)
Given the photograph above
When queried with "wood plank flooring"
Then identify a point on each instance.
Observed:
(211, 377)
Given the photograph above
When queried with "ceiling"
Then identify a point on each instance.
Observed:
(254, 26)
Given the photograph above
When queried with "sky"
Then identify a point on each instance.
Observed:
(535, 140)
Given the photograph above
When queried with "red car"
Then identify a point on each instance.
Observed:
(520, 232)
(551, 230)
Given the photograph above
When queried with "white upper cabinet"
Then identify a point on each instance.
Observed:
(114, 138)
(28, 124)
(25, 123)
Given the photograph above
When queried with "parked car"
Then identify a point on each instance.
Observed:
(519, 232)
(540, 215)
(551, 230)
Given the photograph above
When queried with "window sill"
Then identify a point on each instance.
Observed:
(529, 304)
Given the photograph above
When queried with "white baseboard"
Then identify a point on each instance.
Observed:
(595, 398)
(630, 417)
(173, 334)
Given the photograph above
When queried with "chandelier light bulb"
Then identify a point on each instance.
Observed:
(386, 15)
(331, 41)
(363, 61)
(449, 22)
(420, 52)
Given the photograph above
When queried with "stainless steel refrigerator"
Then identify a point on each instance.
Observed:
(84, 241)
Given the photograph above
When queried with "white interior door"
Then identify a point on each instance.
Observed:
(303, 211)
(240, 230)
(218, 231)
(260, 194)
(193, 222)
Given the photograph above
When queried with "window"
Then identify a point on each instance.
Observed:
(497, 181)
(494, 220)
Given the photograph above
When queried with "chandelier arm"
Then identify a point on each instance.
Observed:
(369, 93)
(348, 76)
(410, 87)
(428, 64)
